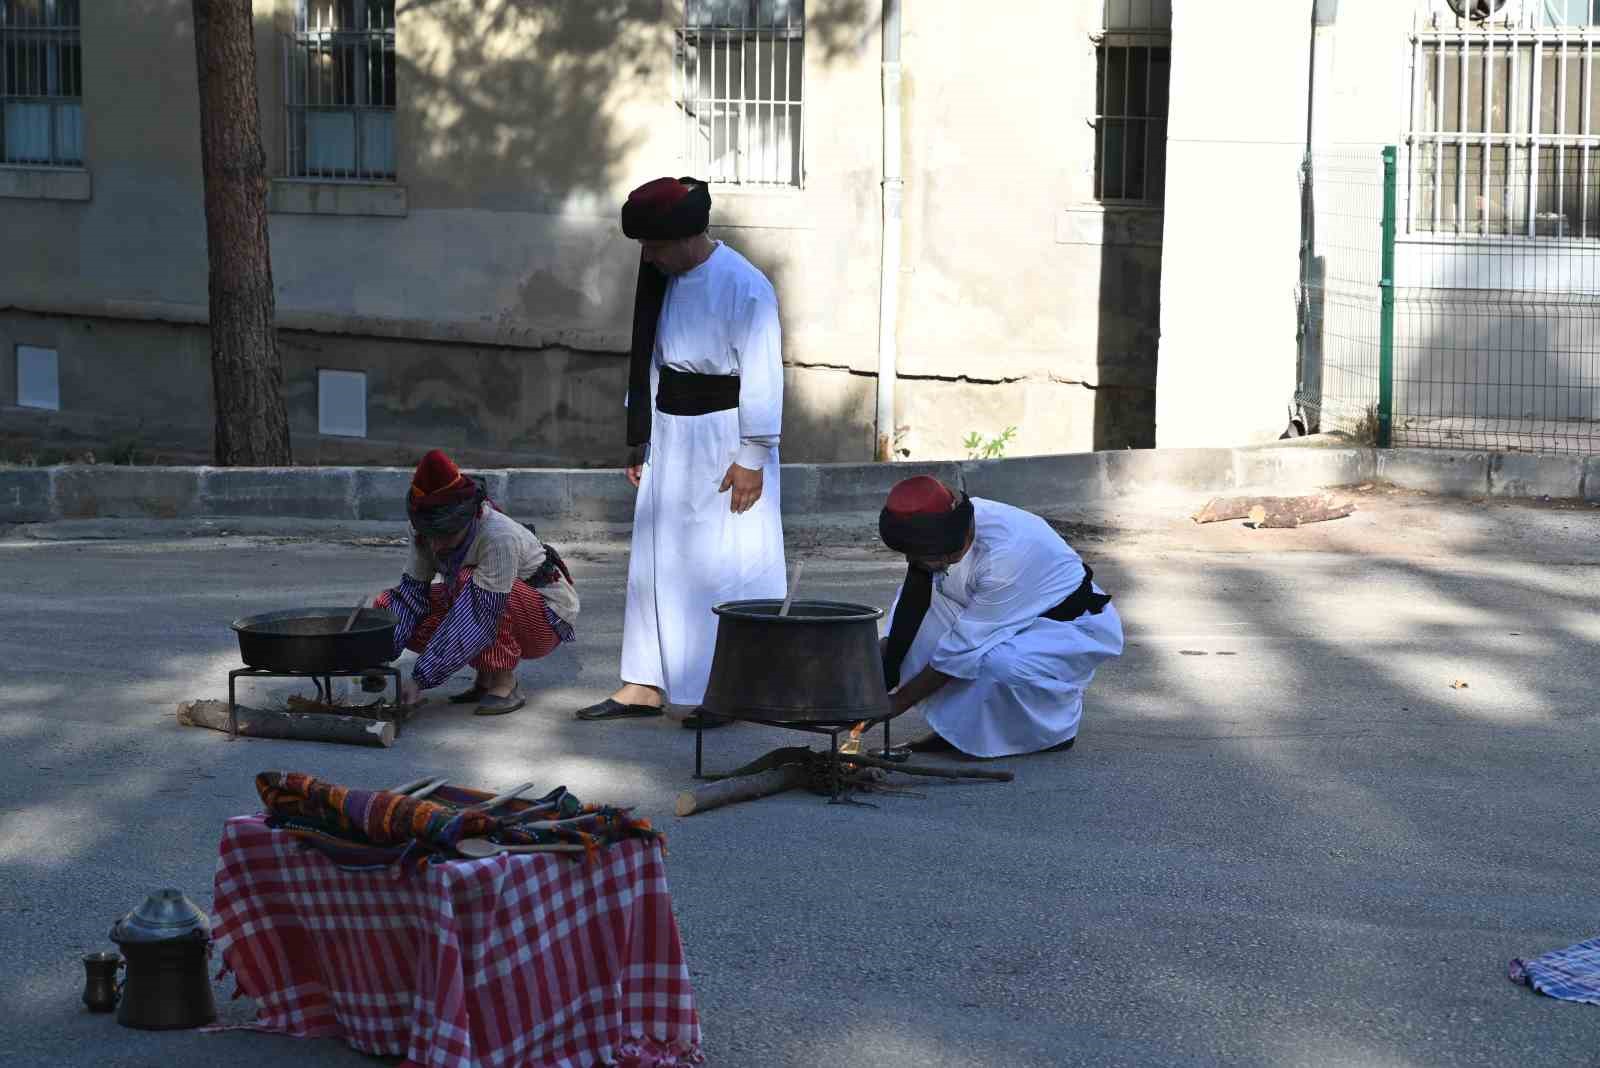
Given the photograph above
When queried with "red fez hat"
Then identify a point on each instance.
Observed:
(659, 195)
(920, 495)
(436, 474)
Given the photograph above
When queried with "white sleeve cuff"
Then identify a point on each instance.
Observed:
(752, 455)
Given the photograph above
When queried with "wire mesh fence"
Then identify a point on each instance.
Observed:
(1492, 340)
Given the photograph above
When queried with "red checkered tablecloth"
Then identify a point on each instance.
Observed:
(517, 960)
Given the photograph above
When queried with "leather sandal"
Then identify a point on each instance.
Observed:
(609, 709)
(468, 697)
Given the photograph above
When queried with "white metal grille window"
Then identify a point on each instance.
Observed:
(740, 67)
(41, 83)
(1505, 121)
(1133, 70)
(339, 88)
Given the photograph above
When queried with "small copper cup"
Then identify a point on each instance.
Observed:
(100, 986)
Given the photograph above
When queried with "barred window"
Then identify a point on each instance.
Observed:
(41, 83)
(339, 90)
(741, 72)
(1133, 70)
(1505, 124)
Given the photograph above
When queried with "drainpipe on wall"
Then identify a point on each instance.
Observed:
(893, 191)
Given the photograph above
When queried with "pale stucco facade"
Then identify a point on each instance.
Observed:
(486, 292)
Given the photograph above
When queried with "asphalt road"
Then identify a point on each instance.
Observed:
(1284, 837)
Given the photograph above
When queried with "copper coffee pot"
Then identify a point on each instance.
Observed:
(167, 942)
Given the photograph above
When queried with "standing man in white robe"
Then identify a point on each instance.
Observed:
(705, 410)
(998, 628)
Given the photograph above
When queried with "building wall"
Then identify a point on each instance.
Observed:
(487, 293)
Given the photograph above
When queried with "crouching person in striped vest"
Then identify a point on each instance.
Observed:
(503, 596)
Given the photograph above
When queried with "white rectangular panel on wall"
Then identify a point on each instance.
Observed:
(38, 378)
(342, 403)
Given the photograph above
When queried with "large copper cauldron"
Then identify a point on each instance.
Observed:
(819, 664)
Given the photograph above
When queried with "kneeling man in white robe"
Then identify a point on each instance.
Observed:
(998, 627)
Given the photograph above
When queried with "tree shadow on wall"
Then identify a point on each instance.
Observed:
(518, 101)
(513, 103)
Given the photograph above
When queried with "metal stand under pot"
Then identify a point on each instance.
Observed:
(815, 668)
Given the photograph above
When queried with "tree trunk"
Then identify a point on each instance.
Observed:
(252, 425)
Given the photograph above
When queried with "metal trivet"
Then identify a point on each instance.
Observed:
(322, 680)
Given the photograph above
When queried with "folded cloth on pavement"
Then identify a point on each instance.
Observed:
(1571, 974)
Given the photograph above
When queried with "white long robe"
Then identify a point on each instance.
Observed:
(1018, 679)
(690, 552)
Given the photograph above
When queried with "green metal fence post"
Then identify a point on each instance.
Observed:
(1386, 314)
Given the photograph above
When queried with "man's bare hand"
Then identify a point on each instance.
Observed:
(410, 693)
(746, 486)
(635, 472)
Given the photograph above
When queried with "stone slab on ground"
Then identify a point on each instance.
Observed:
(1282, 838)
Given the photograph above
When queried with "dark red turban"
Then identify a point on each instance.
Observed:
(442, 500)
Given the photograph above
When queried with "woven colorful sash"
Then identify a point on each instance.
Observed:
(362, 829)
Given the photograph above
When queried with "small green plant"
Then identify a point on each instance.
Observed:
(991, 449)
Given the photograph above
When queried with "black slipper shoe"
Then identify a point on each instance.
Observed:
(703, 720)
(1061, 747)
(493, 705)
(609, 709)
(468, 697)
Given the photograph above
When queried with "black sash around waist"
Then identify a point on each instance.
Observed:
(687, 393)
(1083, 601)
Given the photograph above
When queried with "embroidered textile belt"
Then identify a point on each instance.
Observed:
(1082, 601)
(687, 393)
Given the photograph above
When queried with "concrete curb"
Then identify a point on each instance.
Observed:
(34, 495)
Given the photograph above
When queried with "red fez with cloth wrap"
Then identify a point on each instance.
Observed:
(923, 518)
(442, 500)
(667, 209)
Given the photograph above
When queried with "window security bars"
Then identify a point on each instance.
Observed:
(41, 83)
(1139, 15)
(1504, 131)
(339, 90)
(740, 74)
(1133, 70)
